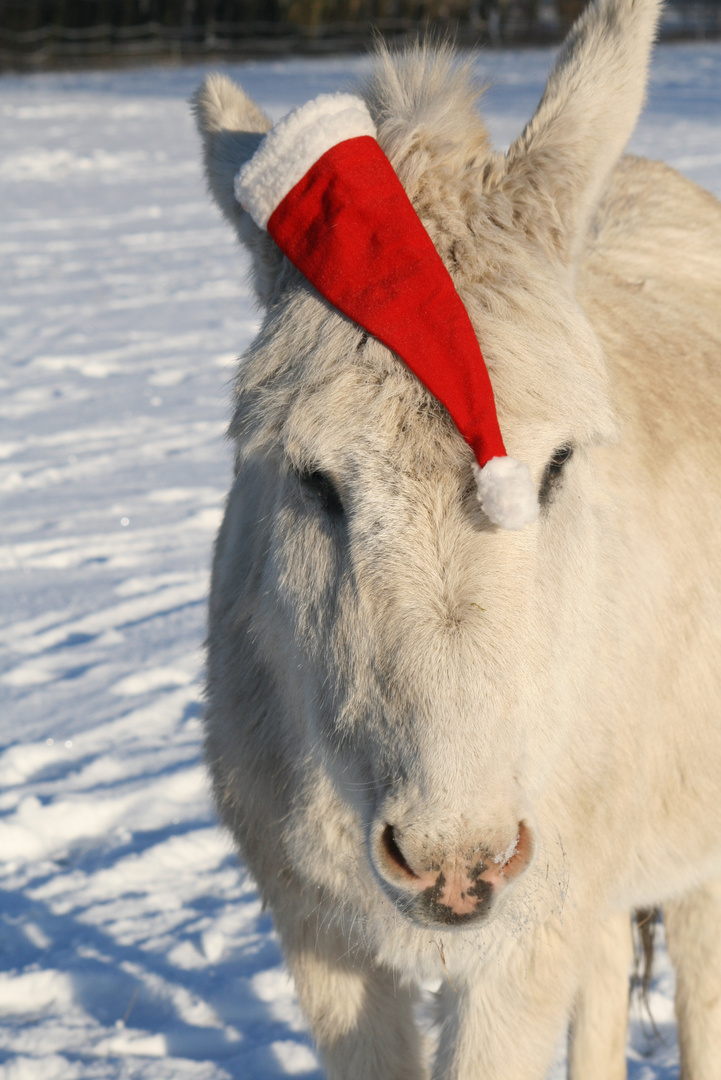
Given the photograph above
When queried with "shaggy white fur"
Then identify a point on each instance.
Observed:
(393, 684)
(506, 492)
(293, 145)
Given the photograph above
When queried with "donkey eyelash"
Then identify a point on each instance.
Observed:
(321, 487)
(553, 473)
(560, 457)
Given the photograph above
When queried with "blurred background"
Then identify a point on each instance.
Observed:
(37, 34)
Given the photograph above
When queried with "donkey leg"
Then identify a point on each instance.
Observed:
(507, 1023)
(599, 1023)
(361, 1020)
(693, 933)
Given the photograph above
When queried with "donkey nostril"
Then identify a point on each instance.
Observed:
(394, 853)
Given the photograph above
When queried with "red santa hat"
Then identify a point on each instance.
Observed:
(329, 197)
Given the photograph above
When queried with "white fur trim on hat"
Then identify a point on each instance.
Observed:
(291, 147)
(506, 492)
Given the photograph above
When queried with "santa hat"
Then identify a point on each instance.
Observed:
(329, 197)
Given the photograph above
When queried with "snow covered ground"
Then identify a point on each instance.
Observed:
(132, 945)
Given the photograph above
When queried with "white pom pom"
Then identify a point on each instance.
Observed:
(506, 492)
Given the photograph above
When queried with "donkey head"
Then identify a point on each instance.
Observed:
(367, 620)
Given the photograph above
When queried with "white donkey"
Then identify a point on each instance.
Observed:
(445, 748)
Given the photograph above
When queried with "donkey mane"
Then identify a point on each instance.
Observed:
(425, 96)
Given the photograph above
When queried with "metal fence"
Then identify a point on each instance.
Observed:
(47, 33)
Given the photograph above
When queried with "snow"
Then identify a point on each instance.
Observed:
(133, 945)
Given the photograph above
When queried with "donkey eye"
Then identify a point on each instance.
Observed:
(552, 475)
(559, 458)
(322, 489)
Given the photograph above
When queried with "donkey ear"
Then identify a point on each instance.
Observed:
(585, 118)
(232, 126)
